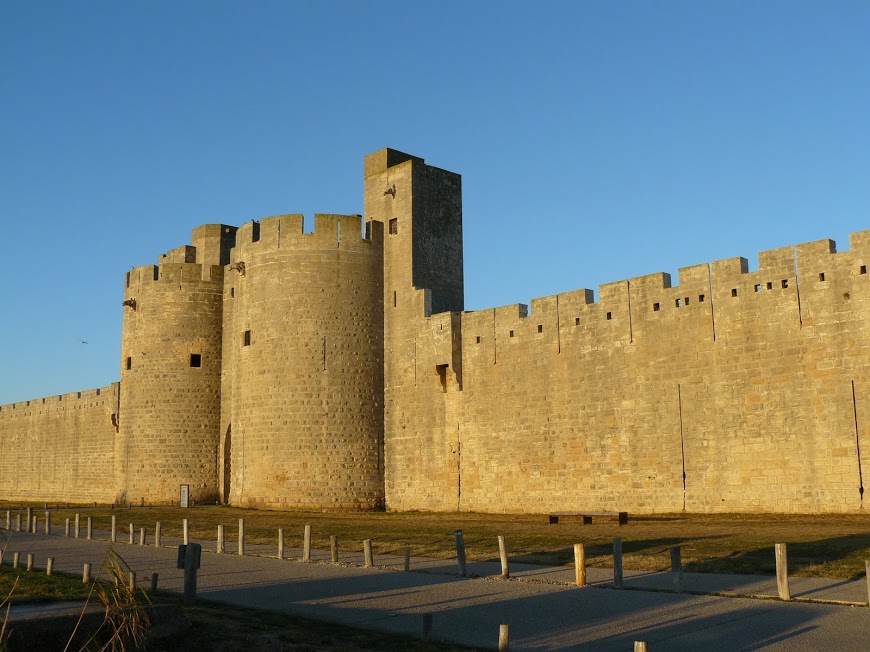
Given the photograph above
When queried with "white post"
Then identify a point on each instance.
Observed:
(220, 539)
(186, 534)
(580, 564)
(131, 534)
(502, 553)
(333, 548)
(241, 536)
(47, 522)
(306, 544)
(29, 561)
(77, 528)
(368, 557)
(90, 529)
(142, 536)
(114, 528)
(86, 574)
(66, 532)
(49, 566)
(504, 638)
(280, 543)
(782, 571)
(157, 528)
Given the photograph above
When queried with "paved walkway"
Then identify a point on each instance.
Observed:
(544, 610)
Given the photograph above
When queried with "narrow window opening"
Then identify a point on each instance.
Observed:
(863, 269)
(576, 321)
(657, 307)
(394, 226)
(769, 286)
(784, 283)
(701, 298)
(478, 339)
(196, 360)
(540, 328)
(609, 316)
(686, 300)
(678, 303)
(232, 293)
(394, 299)
(512, 333)
(129, 364)
(733, 292)
(758, 287)
(822, 276)
(247, 339)
(440, 327)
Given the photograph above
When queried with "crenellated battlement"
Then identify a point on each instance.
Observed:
(172, 273)
(70, 401)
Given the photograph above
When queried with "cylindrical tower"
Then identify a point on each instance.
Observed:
(303, 365)
(170, 379)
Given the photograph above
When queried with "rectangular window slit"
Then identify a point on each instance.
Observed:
(678, 303)
(758, 287)
(609, 316)
(394, 299)
(769, 286)
(657, 307)
(540, 328)
(195, 359)
(686, 300)
(863, 269)
(129, 364)
(232, 293)
(512, 333)
(733, 292)
(701, 298)
(394, 226)
(784, 283)
(822, 276)
(478, 339)
(246, 341)
(576, 321)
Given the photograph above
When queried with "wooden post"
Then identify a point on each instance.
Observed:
(131, 534)
(426, 633)
(220, 539)
(640, 646)
(49, 566)
(280, 543)
(306, 544)
(66, 533)
(782, 571)
(142, 536)
(617, 563)
(407, 559)
(185, 527)
(114, 528)
(29, 519)
(154, 577)
(677, 568)
(460, 552)
(8, 519)
(867, 577)
(90, 528)
(86, 573)
(333, 548)
(580, 564)
(18, 522)
(192, 555)
(47, 522)
(157, 533)
(29, 561)
(132, 584)
(368, 558)
(77, 527)
(502, 553)
(15, 557)
(241, 536)
(504, 638)
(35, 523)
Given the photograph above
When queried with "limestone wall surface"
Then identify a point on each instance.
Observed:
(60, 447)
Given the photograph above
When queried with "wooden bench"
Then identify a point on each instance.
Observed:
(622, 517)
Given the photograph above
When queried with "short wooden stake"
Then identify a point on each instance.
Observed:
(15, 557)
(617, 563)
(677, 568)
(502, 553)
(280, 543)
(90, 528)
(131, 534)
(18, 522)
(306, 544)
(29, 561)
(35, 524)
(220, 539)
(407, 559)
(49, 566)
(580, 564)
(29, 519)
(185, 531)
(142, 536)
(132, 583)
(426, 632)
(504, 638)
(66, 530)
(241, 536)
(460, 552)
(333, 549)
(77, 526)
(47, 522)
(154, 578)
(782, 571)
(114, 528)
(157, 533)
(368, 558)
(86, 573)
(640, 646)
(8, 519)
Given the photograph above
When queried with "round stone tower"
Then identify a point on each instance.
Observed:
(170, 378)
(302, 391)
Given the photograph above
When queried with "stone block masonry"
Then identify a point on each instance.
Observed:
(268, 367)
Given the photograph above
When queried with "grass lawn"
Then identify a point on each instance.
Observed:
(831, 545)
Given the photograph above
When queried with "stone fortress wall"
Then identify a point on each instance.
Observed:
(269, 367)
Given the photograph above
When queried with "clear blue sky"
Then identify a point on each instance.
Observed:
(597, 140)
